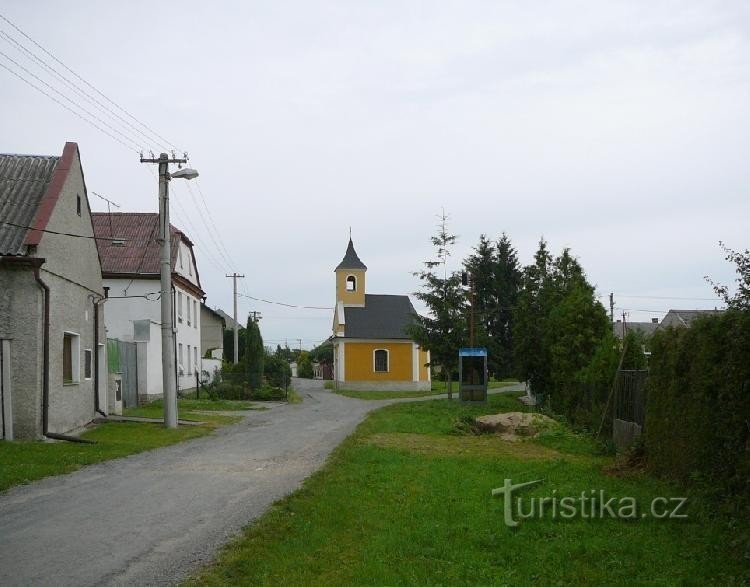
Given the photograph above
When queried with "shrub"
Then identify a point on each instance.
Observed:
(698, 410)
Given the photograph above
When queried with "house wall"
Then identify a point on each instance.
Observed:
(122, 313)
(360, 361)
(73, 273)
(212, 331)
(21, 312)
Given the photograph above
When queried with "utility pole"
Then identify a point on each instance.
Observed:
(256, 316)
(169, 379)
(300, 345)
(612, 307)
(234, 277)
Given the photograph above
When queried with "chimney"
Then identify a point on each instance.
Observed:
(654, 320)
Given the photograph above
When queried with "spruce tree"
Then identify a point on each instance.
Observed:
(507, 280)
(443, 330)
(254, 355)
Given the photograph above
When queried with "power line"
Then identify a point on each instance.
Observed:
(286, 305)
(115, 104)
(666, 298)
(38, 89)
(98, 238)
(73, 86)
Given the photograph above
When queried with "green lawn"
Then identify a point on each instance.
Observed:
(24, 462)
(437, 388)
(186, 407)
(406, 501)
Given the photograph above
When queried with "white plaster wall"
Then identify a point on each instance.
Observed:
(188, 334)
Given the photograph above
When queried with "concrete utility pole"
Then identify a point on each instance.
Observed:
(234, 277)
(612, 308)
(169, 379)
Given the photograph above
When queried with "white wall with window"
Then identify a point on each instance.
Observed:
(188, 336)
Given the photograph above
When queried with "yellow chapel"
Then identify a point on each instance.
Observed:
(371, 349)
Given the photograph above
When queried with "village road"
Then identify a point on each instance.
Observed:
(153, 518)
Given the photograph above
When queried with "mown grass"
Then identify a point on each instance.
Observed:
(406, 501)
(437, 388)
(187, 408)
(24, 462)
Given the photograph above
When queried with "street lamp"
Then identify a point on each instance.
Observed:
(165, 265)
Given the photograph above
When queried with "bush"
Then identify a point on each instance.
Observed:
(277, 371)
(698, 410)
(304, 366)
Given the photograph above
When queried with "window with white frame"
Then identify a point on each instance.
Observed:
(71, 357)
(195, 357)
(190, 358)
(190, 266)
(179, 306)
(381, 361)
(351, 283)
(179, 355)
(179, 254)
(187, 303)
(195, 314)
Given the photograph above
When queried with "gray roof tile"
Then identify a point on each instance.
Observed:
(351, 260)
(383, 316)
(23, 182)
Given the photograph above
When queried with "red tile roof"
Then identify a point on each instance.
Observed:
(135, 251)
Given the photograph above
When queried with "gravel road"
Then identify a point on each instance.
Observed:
(153, 518)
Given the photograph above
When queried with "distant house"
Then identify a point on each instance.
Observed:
(620, 328)
(684, 318)
(52, 338)
(212, 332)
(130, 268)
(371, 347)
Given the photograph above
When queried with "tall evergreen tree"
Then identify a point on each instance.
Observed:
(530, 353)
(507, 280)
(254, 354)
(443, 330)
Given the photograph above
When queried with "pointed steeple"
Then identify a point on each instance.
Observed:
(351, 260)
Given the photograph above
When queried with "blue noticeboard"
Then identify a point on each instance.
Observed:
(472, 352)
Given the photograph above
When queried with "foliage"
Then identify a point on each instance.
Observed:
(443, 330)
(698, 411)
(255, 354)
(322, 353)
(741, 299)
(229, 343)
(496, 280)
(304, 366)
(277, 371)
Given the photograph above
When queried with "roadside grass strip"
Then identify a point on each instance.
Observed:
(24, 462)
(406, 500)
(438, 387)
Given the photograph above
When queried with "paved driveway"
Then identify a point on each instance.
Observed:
(153, 518)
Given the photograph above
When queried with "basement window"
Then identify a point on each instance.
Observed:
(381, 361)
(351, 283)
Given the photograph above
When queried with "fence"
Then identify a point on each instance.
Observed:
(629, 407)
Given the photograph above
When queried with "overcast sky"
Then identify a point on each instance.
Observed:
(619, 129)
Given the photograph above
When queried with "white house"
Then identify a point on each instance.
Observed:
(130, 269)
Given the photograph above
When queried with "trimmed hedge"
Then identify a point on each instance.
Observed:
(698, 412)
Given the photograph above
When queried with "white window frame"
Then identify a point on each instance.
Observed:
(189, 360)
(179, 306)
(195, 314)
(187, 303)
(179, 354)
(195, 358)
(387, 361)
(354, 282)
(75, 357)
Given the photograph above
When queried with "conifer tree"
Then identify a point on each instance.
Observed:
(443, 330)
(254, 354)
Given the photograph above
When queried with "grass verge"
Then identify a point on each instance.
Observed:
(437, 388)
(406, 500)
(24, 462)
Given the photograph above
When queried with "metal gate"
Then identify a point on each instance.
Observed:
(122, 359)
(629, 410)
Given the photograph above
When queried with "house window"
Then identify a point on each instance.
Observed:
(381, 361)
(195, 357)
(179, 354)
(187, 303)
(195, 314)
(87, 364)
(190, 358)
(190, 267)
(351, 283)
(179, 306)
(71, 357)
(78, 204)
(179, 254)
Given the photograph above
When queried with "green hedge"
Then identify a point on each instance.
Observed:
(698, 411)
